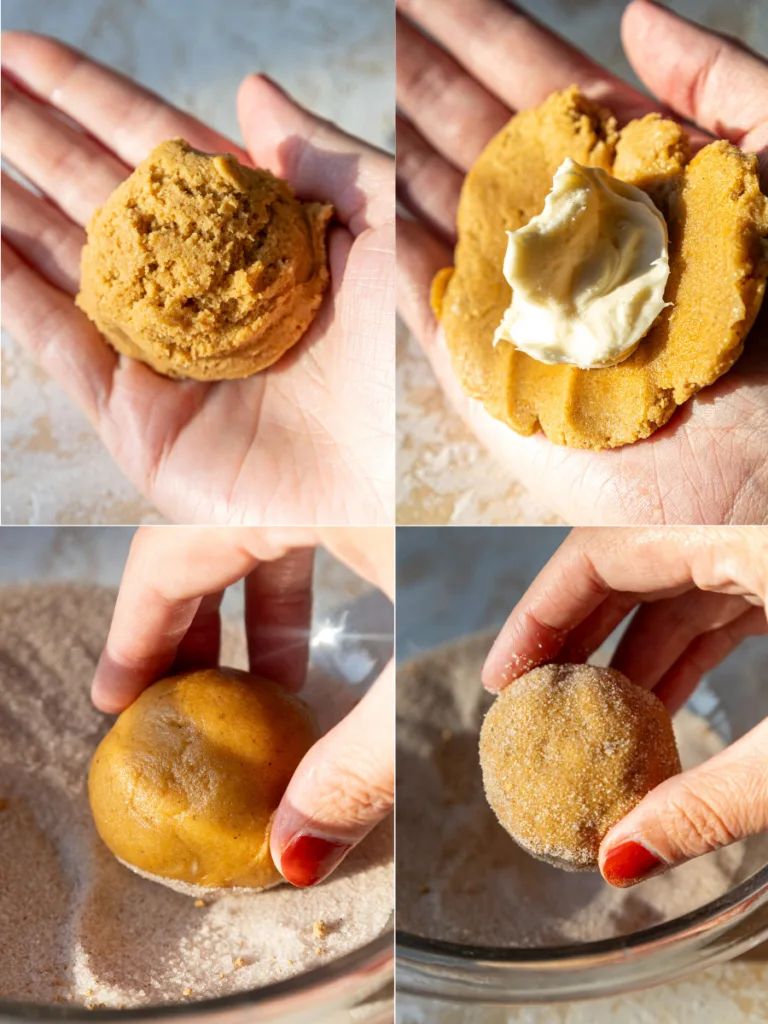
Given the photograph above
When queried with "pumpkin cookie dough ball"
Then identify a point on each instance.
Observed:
(203, 268)
(184, 786)
(567, 751)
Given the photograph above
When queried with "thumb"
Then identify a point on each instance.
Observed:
(342, 788)
(718, 803)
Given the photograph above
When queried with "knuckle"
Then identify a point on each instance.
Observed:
(355, 793)
(427, 85)
(695, 823)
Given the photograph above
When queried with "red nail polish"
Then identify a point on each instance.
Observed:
(307, 859)
(628, 863)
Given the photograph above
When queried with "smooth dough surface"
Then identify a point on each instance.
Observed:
(717, 219)
(185, 784)
(203, 268)
(566, 751)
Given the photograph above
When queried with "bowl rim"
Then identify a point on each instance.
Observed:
(737, 902)
(374, 961)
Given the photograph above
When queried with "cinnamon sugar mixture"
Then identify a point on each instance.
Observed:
(461, 878)
(567, 751)
(78, 927)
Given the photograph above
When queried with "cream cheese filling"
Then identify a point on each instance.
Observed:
(588, 273)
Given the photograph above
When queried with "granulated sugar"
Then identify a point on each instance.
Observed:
(461, 878)
(76, 926)
(558, 791)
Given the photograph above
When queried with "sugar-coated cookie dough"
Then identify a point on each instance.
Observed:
(717, 219)
(184, 786)
(202, 267)
(567, 751)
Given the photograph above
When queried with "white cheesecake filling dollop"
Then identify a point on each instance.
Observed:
(588, 273)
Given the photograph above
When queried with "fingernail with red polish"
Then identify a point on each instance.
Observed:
(307, 859)
(630, 862)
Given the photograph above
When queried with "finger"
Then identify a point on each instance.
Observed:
(516, 58)
(369, 551)
(448, 107)
(319, 160)
(705, 653)
(75, 171)
(584, 639)
(705, 77)
(125, 117)
(39, 232)
(57, 335)
(591, 563)
(278, 613)
(426, 184)
(711, 806)
(342, 788)
(167, 573)
(419, 257)
(660, 632)
(200, 646)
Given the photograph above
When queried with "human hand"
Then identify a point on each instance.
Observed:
(167, 619)
(499, 61)
(307, 441)
(700, 592)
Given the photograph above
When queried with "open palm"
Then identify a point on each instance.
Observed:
(308, 441)
(708, 464)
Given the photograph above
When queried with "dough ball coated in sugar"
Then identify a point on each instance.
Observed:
(566, 751)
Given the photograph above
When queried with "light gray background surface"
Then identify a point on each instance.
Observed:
(335, 57)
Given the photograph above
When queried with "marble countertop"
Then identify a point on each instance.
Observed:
(444, 473)
(335, 58)
(732, 993)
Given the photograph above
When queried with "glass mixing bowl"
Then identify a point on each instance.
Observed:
(350, 642)
(455, 582)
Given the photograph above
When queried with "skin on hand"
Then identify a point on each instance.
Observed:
(699, 592)
(491, 61)
(309, 440)
(167, 619)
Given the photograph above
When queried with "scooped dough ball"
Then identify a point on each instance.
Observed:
(203, 268)
(567, 751)
(184, 786)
